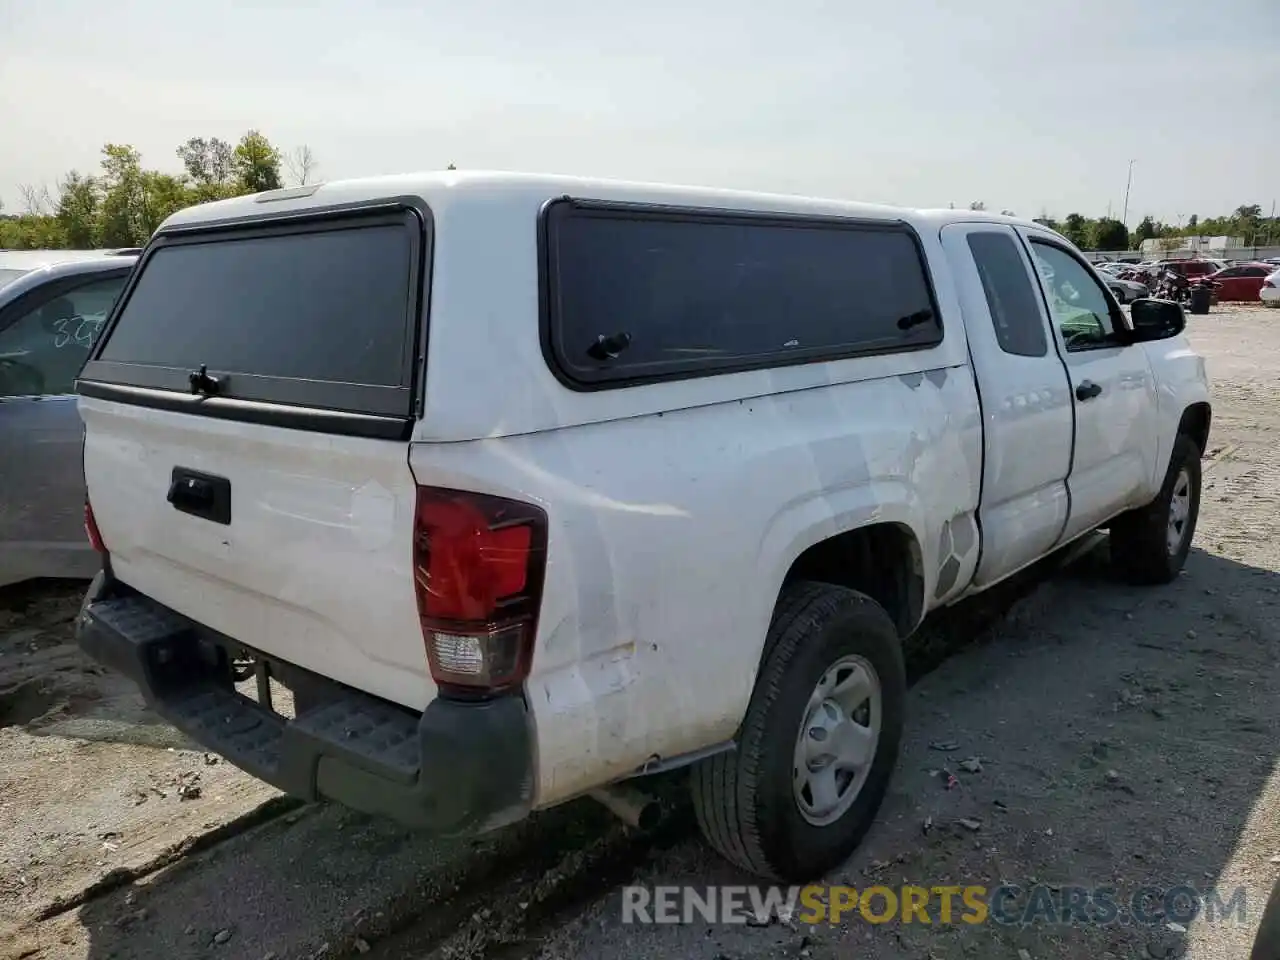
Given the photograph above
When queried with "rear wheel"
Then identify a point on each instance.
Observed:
(1150, 545)
(819, 741)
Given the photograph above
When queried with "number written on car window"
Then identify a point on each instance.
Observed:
(42, 351)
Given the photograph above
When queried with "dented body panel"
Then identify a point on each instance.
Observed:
(648, 642)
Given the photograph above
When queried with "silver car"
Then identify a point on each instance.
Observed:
(51, 309)
(1125, 291)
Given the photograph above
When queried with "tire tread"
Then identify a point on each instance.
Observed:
(1138, 549)
(724, 785)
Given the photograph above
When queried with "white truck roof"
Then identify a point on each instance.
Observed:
(442, 188)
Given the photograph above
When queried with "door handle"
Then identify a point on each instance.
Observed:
(1087, 390)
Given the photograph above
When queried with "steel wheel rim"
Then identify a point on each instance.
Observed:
(837, 741)
(1179, 511)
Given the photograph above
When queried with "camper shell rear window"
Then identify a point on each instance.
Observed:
(315, 314)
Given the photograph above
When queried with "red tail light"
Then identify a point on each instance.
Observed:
(91, 529)
(478, 569)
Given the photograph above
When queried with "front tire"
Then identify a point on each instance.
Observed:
(818, 743)
(1150, 545)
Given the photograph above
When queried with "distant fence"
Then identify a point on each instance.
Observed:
(1223, 253)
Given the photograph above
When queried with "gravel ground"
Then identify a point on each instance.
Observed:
(1122, 737)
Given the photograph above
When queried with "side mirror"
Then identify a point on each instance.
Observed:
(1156, 320)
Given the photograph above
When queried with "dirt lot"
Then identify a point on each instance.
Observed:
(1123, 738)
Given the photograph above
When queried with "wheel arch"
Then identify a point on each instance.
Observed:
(1195, 423)
(883, 560)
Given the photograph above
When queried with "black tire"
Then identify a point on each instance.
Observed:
(1266, 943)
(1140, 550)
(744, 799)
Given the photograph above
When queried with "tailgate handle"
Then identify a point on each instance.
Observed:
(201, 495)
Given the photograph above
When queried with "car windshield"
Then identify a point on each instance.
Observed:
(8, 275)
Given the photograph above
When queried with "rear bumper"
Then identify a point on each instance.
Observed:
(456, 768)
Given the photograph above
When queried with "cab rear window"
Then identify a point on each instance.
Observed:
(317, 316)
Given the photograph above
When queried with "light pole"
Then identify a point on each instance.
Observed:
(1127, 185)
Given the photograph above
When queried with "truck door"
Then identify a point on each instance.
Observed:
(1112, 390)
(1025, 397)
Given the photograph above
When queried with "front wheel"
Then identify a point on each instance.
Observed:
(819, 741)
(1150, 545)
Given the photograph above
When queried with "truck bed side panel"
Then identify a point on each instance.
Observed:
(671, 535)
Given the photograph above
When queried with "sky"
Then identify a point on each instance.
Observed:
(1037, 106)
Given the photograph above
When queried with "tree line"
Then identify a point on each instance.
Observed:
(1106, 233)
(122, 204)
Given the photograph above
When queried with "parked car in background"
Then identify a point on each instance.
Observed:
(18, 263)
(1125, 291)
(1123, 281)
(1269, 293)
(1146, 273)
(1189, 268)
(1241, 282)
(50, 312)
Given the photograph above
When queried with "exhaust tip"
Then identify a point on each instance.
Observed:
(632, 807)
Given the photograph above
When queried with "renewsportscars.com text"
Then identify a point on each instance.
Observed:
(1007, 904)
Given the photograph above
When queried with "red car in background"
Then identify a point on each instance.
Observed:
(1242, 281)
(1188, 268)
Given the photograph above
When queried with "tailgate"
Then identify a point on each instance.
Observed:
(246, 421)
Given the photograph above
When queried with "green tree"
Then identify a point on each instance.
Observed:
(1192, 223)
(1109, 234)
(30, 231)
(79, 199)
(1076, 229)
(211, 166)
(121, 222)
(162, 194)
(124, 203)
(257, 163)
(1247, 218)
(1146, 230)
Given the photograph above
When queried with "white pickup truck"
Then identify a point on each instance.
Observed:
(527, 486)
